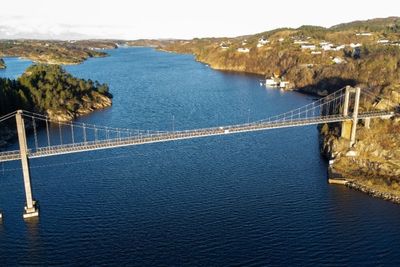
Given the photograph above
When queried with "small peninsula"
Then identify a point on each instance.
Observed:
(55, 51)
(50, 90)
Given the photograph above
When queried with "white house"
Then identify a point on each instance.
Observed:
(352, 45)
(263, 41)
(281, 39)
(364, 34)
(338, 60)
(340, 47)
(327, 47)
(243, 50)
(259, 45)
(300, 42)
(308, 46)
(316, 52)
(224, 46)
(383, 41)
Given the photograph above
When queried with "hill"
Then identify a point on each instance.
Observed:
(390, 24)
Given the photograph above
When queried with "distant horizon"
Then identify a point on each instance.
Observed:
(88, 38)
(155, 19)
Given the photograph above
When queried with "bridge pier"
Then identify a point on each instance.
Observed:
(349, 127)
(346, 125)
(367, 122)
(31, 209)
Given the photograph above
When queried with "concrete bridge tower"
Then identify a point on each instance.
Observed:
(31, 209)
(349, 126)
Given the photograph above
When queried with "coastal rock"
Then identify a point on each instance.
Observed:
(60, 115)
(376, 168)
(2, 64)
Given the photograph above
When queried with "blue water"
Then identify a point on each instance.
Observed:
(250, 199)
(14, 67)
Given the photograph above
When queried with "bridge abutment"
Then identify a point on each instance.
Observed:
(31, 209)
(346, 129)
(346, 124)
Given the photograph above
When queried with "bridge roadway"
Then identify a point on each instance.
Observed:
(179, 135)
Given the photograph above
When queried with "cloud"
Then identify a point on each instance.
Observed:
(174, 18)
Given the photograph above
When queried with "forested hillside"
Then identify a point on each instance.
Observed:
(50, 89)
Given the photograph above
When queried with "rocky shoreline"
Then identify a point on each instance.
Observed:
(373, 192)
(89, 105)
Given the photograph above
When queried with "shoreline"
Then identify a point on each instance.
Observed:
(372, 192)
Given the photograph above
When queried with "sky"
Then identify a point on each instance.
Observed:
(181, 19)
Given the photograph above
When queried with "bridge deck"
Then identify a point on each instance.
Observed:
(179, 135)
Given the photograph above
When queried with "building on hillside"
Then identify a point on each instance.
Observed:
(316, 52)
(308, 46)
(243, 50)
(281, 39)
(263, 41)
(363, 34)
(327, 47)
(338, 60)
(352, 45)
(340, 47)
(224, 46)
(383, 41)
(301, 42)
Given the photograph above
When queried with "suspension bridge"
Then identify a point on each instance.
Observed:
(72, 137)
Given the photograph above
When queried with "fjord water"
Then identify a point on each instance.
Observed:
(249, 199)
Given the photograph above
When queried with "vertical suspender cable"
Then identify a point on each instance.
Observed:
(72, 133)
(59, 130)
(95, 134)
(35, 132)
(48, 133)
(84, 133)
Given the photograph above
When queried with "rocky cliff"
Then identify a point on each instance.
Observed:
(375, 168)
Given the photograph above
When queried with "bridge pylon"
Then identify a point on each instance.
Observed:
(349, 126)
(31, 209)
